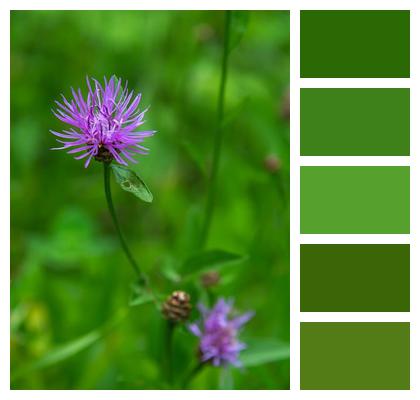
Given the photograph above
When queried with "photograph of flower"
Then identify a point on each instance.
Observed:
(150, 200)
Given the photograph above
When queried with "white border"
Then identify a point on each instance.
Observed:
(296, 160)
(354, 239)
(294, 5)
(354, 161)
(354, 83)
(354, 317)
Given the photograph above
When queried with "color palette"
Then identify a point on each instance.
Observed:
(355, 199)
(355, 44)
(344, 123)
(355, 355)
(355, 122)
(355, 277)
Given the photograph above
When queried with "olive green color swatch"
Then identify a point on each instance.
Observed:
(355, 355)
(348, 200)
(355, 277)
(355, 44)
(355, 122)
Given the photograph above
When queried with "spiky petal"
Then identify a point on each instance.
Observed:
(103, 123)
(218, 334)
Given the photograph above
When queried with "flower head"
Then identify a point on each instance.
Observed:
(218, 334)
(103, 124)
(177, 307)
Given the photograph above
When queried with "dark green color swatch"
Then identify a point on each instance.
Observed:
(355, 355)
(355, 200)
(355, 122)
(355, 277)
(355, 44)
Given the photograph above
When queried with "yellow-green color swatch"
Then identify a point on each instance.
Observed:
(355, 355)
(355, 200)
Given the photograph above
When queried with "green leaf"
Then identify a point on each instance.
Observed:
(264, 351)
(139, 295)
(140, 299)
(210, 260)
(169, 271)
(62, 353)
(131, 182)
(71, 348)
(238, 27)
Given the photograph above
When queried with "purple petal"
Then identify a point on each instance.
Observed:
(242, 319)
(194, 329)
(107, 116)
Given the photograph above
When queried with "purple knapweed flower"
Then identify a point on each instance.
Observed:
(218, 334)
(104, 123)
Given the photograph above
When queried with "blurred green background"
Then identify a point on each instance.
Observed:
(69, 276)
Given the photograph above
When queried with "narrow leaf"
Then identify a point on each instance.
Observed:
(131, 182)
(210, 259)
(264, 351)
(139, 299)
(70, 349)
(171, 274)
(139, 295)
(61, 353)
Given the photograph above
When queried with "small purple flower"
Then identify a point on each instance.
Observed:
(104, 124)
(218, 334)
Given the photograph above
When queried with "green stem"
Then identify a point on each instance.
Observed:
(107, 173)
(211, 195)
(170, 327)
(191, 375)
(211, 296)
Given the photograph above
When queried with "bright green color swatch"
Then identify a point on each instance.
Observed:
(355, 355)
(355, 44)
(355, 122)
(355, 277)
(355, 200)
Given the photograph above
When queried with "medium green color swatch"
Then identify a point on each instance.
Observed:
(355, 355)
(355, 277)
(355, 44)
(355, 122)
(355, 200)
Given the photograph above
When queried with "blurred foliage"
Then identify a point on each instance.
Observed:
(70, 280)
